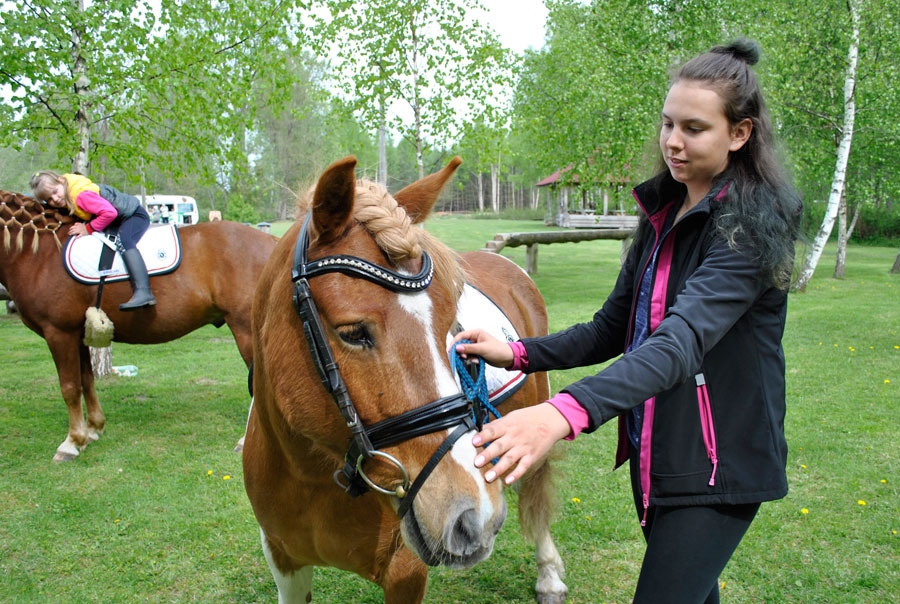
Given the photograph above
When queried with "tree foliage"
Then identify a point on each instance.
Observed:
(171, 88)
(421, 68)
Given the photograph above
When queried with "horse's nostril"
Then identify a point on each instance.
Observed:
(465, 533)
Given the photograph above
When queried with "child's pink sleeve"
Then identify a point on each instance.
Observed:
(104, 213)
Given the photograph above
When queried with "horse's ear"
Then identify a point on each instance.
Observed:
(333, 199)
(419, 197)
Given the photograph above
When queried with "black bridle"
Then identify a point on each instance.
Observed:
(366, 442)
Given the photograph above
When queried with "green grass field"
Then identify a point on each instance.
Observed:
(156, 512)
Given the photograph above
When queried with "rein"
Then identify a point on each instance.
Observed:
(366, 442)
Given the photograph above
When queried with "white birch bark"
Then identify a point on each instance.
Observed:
(101, 358)
(480, 191)
(495, 188)
(843, 155)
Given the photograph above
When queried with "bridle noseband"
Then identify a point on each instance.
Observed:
(366, 442)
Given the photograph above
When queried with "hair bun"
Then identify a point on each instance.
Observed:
(745, 50)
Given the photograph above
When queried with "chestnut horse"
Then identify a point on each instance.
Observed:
(351, 326)
(214, 284)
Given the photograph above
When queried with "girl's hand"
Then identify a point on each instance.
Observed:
(495, 352)
(518, 440)
(78, 229)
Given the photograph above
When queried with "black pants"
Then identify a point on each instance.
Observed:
(687, 548)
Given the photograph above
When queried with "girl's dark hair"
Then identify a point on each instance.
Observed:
(761, 214)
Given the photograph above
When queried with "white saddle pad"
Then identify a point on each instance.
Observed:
(160, 247)
(475, 309)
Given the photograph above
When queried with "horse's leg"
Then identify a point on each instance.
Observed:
(240, 329)
(66, 351)
(294, 587)
(535, 513)
(405, 580)
(96, 421)
(240, 443)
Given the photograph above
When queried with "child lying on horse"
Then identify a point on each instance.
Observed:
(101, 206)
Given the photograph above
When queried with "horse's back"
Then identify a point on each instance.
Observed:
(228, 243)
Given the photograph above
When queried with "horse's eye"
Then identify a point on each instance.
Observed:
(356, 335)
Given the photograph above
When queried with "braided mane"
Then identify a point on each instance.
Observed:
(21, 213)
(395, 233)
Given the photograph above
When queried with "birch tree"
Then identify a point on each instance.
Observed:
(843, 154)
(118, 80)
(420, 68)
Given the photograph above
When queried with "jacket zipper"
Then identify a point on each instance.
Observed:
(707, 426)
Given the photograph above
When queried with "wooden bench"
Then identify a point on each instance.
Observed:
(533, 240)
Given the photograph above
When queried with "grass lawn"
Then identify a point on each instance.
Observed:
(156, 512)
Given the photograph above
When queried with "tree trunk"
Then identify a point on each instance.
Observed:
(481, 191)
(101, 358)
(843, 155)
(495, 188)
(896, 268)
(841, 260)
(382, 145)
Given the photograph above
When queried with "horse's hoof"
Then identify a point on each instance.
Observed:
(62, 456)
(551, 598)
(239, 446)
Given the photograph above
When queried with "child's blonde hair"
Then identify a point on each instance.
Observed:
(41, 183)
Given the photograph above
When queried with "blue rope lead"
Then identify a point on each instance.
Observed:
(475, 389)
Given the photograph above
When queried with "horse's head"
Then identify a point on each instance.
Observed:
(376, 297)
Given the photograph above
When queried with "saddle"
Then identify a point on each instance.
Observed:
(475, 309)
(86, 262)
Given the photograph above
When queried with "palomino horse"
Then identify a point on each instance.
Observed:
(214, 283)
(350, 334)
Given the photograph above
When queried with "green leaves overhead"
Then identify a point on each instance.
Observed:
(168, 83)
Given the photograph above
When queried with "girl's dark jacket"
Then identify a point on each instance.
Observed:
(712, 371)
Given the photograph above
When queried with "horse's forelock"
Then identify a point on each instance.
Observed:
(397, 235)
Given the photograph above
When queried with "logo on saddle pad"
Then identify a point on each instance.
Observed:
(160, 247)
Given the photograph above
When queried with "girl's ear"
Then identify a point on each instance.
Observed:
(740, 134)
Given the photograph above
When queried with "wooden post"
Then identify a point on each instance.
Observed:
(531, 252)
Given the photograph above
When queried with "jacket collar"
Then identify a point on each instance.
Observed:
(661, 194)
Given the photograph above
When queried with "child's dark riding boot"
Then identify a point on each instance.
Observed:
(140, 281)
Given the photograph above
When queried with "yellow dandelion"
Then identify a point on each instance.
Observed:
(804, 511)
(887, 381)
(861, 502)
(803, 466)
(896, 347)
(209, 472)
(576, 500)
(117, 521)
(883, 481)
(894, 532)
(226, 477)
(852, 349)
(722, 586)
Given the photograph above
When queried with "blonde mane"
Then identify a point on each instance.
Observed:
(21, 213)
